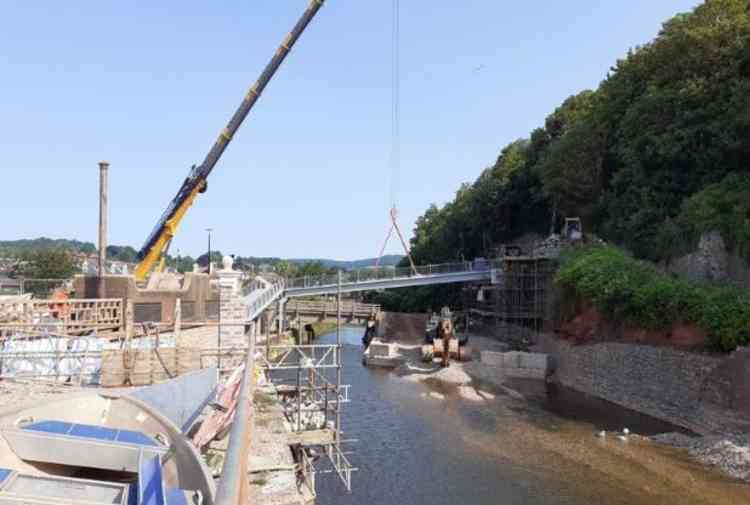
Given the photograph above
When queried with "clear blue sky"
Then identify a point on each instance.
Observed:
(148, 85)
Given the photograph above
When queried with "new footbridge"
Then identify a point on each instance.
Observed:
(367, 279)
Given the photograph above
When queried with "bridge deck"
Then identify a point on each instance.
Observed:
(369, 279)
(319, 288)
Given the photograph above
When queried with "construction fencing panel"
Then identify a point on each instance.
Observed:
(57, 358)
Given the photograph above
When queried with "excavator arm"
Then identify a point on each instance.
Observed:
(154, 251)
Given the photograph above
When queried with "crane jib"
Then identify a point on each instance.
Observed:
(200, 175)
(194, 179)
(257, 89)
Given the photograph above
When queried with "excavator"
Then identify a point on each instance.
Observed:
(153, 254)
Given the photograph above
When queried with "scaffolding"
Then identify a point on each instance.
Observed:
(308, 380)
(515, 304)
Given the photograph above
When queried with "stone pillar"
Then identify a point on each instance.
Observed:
(232, 308)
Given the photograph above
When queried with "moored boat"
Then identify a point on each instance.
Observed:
(98, 448)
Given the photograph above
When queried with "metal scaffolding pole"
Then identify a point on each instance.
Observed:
(338, 362)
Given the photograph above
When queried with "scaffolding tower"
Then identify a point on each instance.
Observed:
(515, 305)
(308, 380)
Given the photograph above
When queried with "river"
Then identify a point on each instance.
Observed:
(415, 449)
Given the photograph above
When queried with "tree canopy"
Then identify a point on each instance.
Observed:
(669, 119)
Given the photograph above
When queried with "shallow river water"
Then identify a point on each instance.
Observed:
(414, 449)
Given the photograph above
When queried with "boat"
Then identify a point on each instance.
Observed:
(98, 448)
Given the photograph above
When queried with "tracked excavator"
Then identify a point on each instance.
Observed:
(153, 254)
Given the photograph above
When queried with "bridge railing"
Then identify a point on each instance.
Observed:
(386, 273)
(259, 300)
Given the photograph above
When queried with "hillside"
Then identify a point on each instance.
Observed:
(654, 156)
(388, 260)
(128, 254)
(17, 247)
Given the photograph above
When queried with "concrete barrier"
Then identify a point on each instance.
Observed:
(380, 350)
(524, 365)
(380, 354)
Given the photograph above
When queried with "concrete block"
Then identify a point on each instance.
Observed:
(380, 350)
(491, 358)
(533, 360)
(511, 359)
(376, 361)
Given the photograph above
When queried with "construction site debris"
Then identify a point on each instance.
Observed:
(218, 422)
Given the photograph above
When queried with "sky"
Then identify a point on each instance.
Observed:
(147, 86)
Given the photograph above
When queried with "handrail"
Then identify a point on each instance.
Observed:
(390, 273)
(257, 301)
(233, 487)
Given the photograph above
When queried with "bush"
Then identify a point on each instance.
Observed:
(628, 290)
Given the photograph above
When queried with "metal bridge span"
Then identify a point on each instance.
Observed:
(378, 284)
(367, 280)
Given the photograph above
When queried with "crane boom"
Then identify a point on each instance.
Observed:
(157, 244)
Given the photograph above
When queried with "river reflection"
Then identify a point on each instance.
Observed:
(414, 449)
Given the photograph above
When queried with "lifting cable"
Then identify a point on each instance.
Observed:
(395, 155)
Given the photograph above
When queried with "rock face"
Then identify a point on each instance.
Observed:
(589, 325)
(712, 261)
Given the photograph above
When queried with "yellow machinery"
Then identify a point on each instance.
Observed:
(154, 251)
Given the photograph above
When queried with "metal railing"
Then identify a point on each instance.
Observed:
(259, 300)
(390, 273)
(292, 357)
(234, 485)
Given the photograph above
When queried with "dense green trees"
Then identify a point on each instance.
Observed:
(670, 119)
(46, 264)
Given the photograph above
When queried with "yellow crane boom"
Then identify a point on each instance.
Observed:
(154, 251)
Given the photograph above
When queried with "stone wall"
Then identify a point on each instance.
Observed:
(196, 290)
(693, 390)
